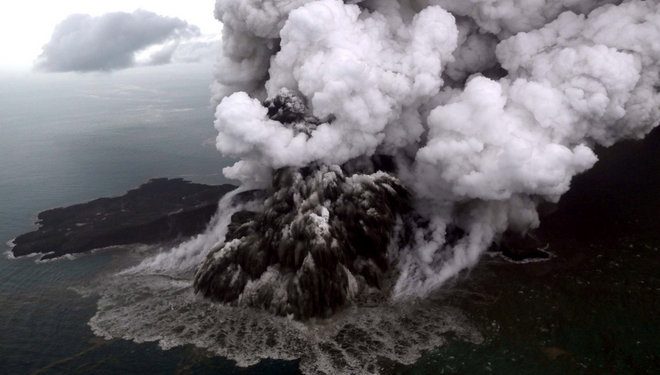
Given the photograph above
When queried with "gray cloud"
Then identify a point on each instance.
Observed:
(190, 51)
(109, 42)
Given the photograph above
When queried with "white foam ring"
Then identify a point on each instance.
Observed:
(157, 308)
(155, 302)
(479, 154)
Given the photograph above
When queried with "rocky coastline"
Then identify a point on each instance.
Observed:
(160, 210)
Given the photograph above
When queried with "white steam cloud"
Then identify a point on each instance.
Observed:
(488, 107)
(120, 40)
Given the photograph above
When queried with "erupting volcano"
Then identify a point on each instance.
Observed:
(382, 148)
(395, 141)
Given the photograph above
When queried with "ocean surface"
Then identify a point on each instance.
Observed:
(67, 139)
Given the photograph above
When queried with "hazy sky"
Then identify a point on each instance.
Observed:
(26, 25)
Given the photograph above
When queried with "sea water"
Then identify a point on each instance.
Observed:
(66, 139)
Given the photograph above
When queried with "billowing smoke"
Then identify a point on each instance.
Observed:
(481, 110)
(321, 239)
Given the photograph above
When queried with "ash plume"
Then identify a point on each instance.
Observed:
(482, 110)
(321, 239)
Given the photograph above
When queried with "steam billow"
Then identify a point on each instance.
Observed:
(393, 142)
(320, 238)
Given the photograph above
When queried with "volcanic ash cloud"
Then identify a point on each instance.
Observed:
(396, 140)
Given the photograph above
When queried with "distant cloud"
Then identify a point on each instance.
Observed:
(119, 40)
(188, 51)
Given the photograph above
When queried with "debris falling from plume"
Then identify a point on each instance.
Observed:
(439, 125)
(486, 107)
(320, 240)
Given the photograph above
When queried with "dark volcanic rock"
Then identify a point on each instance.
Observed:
(320, 240)
(160, 210)
(320, 237)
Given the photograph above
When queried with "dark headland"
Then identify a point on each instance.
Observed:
(615, 199)
(593, 303)
(160, 210)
